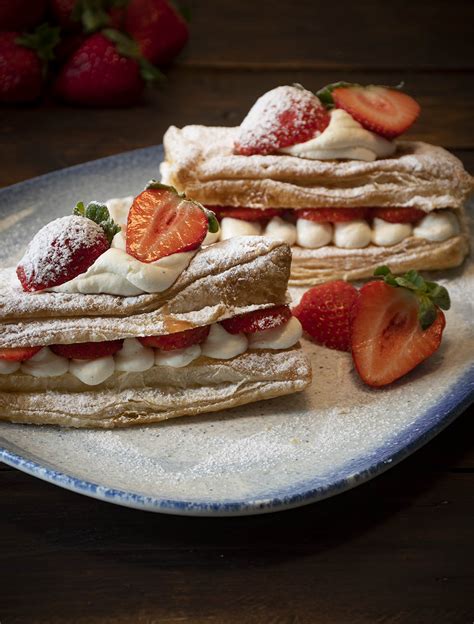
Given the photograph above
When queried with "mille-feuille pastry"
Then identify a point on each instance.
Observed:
(325, 175)
(106, 327)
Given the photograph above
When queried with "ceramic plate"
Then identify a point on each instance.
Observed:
(262, 457)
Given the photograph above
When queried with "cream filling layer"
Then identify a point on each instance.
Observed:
(135, 357)
(344, 138)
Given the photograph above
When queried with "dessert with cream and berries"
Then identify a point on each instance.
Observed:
(327, 174)
(128, 316)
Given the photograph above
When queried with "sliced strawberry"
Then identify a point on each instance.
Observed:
(281, 117)
(60, 251)
(87, 350)
(18, 354)
(246, 214)
(178, 340)
(332, 215)
(395, 328)
(384, 111)
(161, 223)
(398, 215)
(325, 313)
(253, 322)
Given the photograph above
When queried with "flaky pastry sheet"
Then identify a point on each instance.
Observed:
(200, 162)
(223, 280)
(158, 394)
(314, 266)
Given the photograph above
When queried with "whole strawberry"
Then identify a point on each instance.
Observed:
(22, 63)
(280, 118)
(158, 28)
(21, 15)
(106, 70)
(325, 313)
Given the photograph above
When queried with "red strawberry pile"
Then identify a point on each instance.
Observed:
(390, 325)
(86, 52)
(289, 115)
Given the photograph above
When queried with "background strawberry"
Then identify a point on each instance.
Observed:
(396, 324)
(253, 322)
(158, 28)
(325, 313)
(281, 117)
(178, 340)
(87, 350)
(21, 15)
(106, 70)
(23, 60)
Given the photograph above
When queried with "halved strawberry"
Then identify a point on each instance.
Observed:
(325, 313)
(387, 112)
(161, 222)
(60, 251)
(332, 215)
(18, 354)
(253, 322)
(396, 324)
(87, 350)
(178, 340)
(246, 214)
(398, 215)
(281, 117)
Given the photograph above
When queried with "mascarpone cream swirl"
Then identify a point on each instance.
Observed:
(344, 138)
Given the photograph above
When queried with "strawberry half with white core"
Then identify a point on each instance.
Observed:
(162, 222)
(396, 324)
(66, 247)
(281, 117)
(387, 112)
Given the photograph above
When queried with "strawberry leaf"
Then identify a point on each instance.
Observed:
(43, 41)
(99, 213)
(213, 223)
(430, 295)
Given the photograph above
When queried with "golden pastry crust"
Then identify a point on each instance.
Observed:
(314, 266)
(200, 162)
(219, 282)
(160, 393)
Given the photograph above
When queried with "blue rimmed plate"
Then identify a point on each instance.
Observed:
(262, 457)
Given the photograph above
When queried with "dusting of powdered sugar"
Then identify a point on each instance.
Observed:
(56, 245)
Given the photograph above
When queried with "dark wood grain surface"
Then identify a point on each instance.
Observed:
(398, 549)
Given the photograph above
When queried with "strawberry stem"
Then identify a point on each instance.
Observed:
(430, 295)
(99, 213)
(43, 41)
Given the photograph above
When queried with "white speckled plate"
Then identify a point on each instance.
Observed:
(262, 457)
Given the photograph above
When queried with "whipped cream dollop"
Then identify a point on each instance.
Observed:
(437, 226)
(343, 138)
(178, 358)
(222, 345)
(352, 234)
(281, 337)
(9, 366)
(231, 227)
(134, 357)
(312, 235)
(115, 272)
(279, 229)
(386, 234)
(45, 363)
(93, 372)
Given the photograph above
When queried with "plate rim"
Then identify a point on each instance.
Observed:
(386, 455)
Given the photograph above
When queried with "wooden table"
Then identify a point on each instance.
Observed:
(398, 549)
